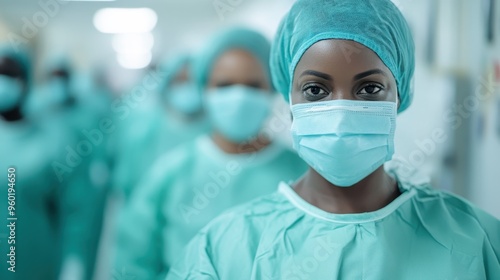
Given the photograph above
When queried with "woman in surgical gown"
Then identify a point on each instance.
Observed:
(199, 180)
(345, 67)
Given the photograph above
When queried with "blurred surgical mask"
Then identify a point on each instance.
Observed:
(10, 93)
(344, 140)
(238, 112)
(184, 98)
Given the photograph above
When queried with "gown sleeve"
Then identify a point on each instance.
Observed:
(196, 262)
(138, 240)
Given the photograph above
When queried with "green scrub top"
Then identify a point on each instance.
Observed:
(423, 234)
(56, 219)
(185, 190)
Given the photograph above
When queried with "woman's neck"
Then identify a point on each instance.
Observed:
(370, 194)
(230, 147)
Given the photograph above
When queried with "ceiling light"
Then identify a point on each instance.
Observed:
(134, 61)
(124, 20)
(133, 43)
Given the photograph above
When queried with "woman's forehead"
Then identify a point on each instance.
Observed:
(340, 55)
(235, 58)
(237, 62)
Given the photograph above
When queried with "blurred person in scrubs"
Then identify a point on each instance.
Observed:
(346, 68)
(76, 104)
(49, 239)
(67, 96)
(14, 82)
(54, 94)
(76, 108)
(176, 116)
(235, 163)
(69, 110)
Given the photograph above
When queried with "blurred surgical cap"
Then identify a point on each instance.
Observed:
(376, 24)
(172, 66)
(235, 38)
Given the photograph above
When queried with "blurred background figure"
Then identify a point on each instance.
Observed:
(234, 163)
(57, 231)
(55, 94)
(96, 107)
(173, 114)
(67, 109)
(15, 83)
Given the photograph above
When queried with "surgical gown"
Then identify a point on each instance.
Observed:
(423, 234)
(55, 223)
(185, 190)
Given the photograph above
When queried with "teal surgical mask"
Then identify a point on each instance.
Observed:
(344, 140)
(10, 93)
(238, 112)
(184, 98)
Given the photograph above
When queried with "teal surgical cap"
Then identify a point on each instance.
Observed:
(376, 24)
(235, 38)
(21, 56)
(172, 66)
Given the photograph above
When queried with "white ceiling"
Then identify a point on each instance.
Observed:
(181, 24)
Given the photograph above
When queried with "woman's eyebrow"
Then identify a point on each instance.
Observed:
(368, 73)
(317, 74)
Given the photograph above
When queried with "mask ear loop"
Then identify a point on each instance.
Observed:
(290, 104)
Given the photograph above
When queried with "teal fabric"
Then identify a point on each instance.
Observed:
(234, 38)
(376, 24)
(171, 67)
(344, 140)
(186, 189)
(183, 97)
(144, 137)
(90, 180)
(151, 128)
(57, 219)
(11, 93)
(238, 112)
(38, 251)
(423, 234)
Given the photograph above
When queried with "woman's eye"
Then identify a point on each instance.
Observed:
(223, 84)
(313, 93)
(256, 85)
(370, 89)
